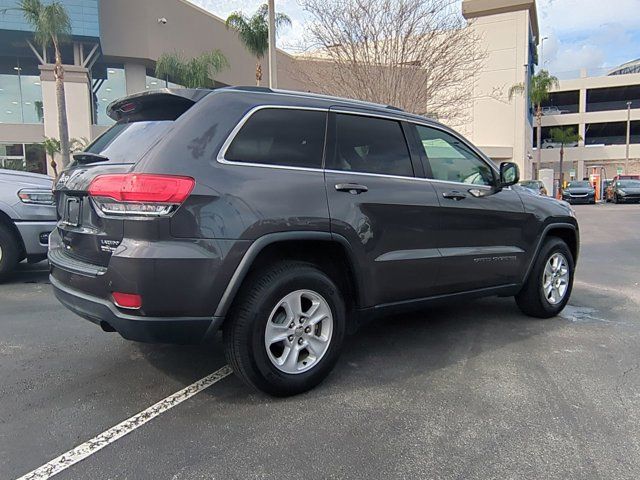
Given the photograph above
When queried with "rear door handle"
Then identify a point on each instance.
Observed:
(454, 195)
(352, 188)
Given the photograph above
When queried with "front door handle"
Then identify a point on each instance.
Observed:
(454, 195)
(352, 188)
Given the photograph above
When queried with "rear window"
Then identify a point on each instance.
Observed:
(128, 142)
(286, 137)
(370, 145)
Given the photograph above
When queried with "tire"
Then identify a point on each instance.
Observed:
(9, 252)
(261, 304)
(616, 200)
(532, 299)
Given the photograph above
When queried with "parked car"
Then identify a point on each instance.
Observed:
(624, 191)
(286, 219)
(608, 191)
(535, 186)
(551, 111)
(549, 143)
(579, 191)
(27, 216)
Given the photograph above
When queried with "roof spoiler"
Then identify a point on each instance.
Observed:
(162, 104)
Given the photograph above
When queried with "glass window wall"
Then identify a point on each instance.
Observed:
(20, 91)
(108, 84)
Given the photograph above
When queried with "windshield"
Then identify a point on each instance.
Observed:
(629, 183)
(128, 142)
(580, 184)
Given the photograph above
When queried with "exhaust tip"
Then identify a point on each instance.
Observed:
(106, 327)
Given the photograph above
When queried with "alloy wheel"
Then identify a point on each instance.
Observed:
(555, 279)
(298, 332)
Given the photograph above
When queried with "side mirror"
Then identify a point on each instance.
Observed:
(509, 174)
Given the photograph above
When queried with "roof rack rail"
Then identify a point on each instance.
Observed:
(249, 88)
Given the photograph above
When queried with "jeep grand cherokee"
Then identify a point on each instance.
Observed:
(285, 219)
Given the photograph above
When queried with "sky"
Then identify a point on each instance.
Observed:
(591, 34)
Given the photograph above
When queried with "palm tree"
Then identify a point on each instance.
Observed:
(195, 72)
(254, 32)
(52, 147)
(564, 136)
(539, 91)
(51, 27)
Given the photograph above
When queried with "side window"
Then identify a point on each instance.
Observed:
(370, 145)
(452, 160)
(279, 136)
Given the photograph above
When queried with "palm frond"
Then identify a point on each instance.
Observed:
(197, 72)
(254, 31)
(282, 20)
(51, 146)
(50, 22)
(517, 89)
(565, 136)
(541, 85)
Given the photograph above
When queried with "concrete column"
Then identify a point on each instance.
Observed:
(78, 99)
(580, 172)
(582, 129)
(135, 76)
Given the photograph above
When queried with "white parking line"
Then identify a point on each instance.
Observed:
(107, 437)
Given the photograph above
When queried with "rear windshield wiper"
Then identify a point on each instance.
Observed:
(83, 158)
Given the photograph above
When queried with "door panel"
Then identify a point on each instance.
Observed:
(480, 239)
(480, 234)
(390, 220)
(392, 229)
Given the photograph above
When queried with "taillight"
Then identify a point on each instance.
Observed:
(140, 193)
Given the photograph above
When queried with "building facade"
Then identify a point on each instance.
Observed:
(115, 44)
(508, 32)
(112, 53)
(601, 109)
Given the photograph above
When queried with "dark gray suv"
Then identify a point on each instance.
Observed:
(286, 219)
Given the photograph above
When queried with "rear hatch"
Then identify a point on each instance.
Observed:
(86, 232)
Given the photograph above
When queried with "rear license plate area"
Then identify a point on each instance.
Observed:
(72, 211)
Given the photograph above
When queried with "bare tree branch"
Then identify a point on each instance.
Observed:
(418, 55)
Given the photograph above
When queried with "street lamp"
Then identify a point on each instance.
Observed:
(626, 160)
(273, 74)
(542, 51)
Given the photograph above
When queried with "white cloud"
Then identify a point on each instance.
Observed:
(591, 34)
(572, 16)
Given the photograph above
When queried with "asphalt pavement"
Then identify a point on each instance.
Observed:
(471, 391)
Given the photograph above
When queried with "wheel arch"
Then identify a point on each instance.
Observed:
(331, 253)
(567, 232)
(7, 222)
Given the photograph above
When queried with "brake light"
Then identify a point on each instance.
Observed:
(127, 300)
(140, 193)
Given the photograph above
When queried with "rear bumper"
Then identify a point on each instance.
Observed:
(35, 237)
(182, 330)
